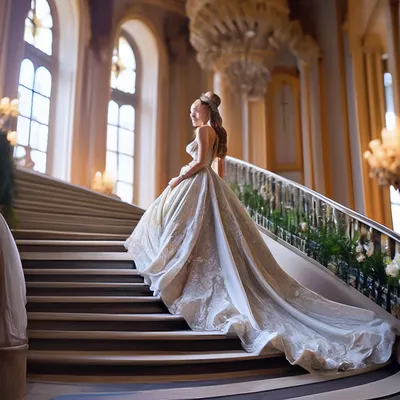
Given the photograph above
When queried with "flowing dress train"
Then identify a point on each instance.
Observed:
(197, 248)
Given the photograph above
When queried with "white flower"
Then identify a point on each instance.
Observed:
(370, 250)
(361, 258)
(392, 269)
(303, 226)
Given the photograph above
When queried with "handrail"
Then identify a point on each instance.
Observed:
(354, 247)
(360, 217)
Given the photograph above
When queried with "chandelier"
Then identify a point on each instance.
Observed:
(240, 39)
(384, 158)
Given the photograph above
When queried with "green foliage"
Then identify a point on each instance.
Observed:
(328, 244)
(7, 180)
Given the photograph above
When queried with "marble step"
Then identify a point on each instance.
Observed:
(53, 274)
(41, 221)
(76, 256)
(40, 234)
(169, 341)
(96, 304)
(105, 322)
(29, 245)
(55, 288)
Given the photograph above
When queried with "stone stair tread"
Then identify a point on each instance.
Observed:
(143, 358)
(93, 299)
(81, 271)
(65, 218)
(71, 285)
(43, 242)
(71, 234)
(92, 256)
(122, 335)
(60, 316)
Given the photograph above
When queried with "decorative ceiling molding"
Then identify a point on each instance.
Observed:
(241, 39)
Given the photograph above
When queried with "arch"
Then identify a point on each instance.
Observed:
(120, 149)
(37, 72)
(150, 154)
(73, 34)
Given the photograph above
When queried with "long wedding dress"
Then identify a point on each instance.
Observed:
(199, 250)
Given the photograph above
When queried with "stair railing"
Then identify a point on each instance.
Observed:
(361, 252)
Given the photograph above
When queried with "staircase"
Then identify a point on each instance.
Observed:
(91, 314)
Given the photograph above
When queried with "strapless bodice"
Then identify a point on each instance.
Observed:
(192, 149)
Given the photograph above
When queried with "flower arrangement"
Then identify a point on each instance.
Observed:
(8, 139)
(392, 269)
(384, 158)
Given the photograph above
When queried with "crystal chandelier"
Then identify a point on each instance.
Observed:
(240, 39)
(384, 158)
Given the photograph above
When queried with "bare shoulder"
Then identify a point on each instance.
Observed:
(204, 132)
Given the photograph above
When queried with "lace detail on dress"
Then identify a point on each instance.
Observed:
(197, 247)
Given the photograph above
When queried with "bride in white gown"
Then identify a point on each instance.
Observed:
(198, 249)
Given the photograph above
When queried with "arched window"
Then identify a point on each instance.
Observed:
(35, 84)
(121, 119)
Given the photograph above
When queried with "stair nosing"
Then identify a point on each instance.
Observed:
(81, 271)
(75, 256)
(70, 285)
(45, 242)
(93, 299)
(60, 316)
(69, 233)
(123, 335)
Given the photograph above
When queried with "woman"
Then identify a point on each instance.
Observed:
(198, 249)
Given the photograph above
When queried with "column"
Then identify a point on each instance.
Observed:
(257, 130)
(14, 46)
(305, 101)
(373, 51)
(361, 106)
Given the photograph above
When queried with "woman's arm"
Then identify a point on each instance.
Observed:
(201, 162)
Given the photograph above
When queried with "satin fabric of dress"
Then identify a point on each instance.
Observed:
(198, 248)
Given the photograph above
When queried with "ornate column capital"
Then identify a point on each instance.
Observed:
(306, 50)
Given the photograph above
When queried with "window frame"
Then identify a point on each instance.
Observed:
(125, 99)
(50, 62)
